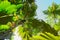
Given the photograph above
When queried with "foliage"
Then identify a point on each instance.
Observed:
(53, 13)
(46, 36)
(7, 12)
(4, 28)
(8, 7)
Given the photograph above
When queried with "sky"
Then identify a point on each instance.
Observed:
(43, 5)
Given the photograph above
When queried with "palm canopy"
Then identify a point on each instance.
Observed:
(54, 9)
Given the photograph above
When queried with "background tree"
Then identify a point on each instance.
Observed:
(53, 13)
